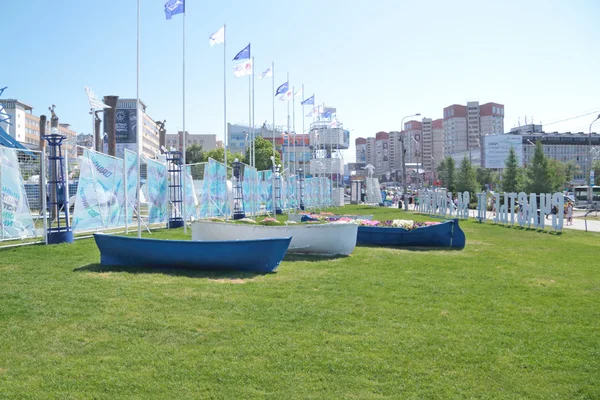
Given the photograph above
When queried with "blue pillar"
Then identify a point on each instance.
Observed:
(59, 230)
(174, 159)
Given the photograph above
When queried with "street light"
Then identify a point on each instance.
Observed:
(591, 163)
(401, 139)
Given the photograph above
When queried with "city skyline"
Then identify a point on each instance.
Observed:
(349, 57)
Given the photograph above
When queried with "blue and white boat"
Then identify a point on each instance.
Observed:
(259, 255)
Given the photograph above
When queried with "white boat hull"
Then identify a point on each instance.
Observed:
(324, 239)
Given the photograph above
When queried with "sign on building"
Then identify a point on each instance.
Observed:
(496, 148)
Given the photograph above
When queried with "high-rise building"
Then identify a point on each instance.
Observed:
(25, 127)
(207, 141)
(437, 131)
(382, 153)
(413, 144)
(455, 129)
(361, 150)
(464, 125)
(371, 151)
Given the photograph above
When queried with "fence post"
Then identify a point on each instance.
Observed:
(44, 186)
(125, 190)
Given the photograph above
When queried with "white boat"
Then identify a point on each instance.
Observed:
(324, 239)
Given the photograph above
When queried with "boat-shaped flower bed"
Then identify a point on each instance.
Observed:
(404, 233)
(303, 217)
(260, 255)
(320, 238)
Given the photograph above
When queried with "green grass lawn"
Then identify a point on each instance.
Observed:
(514, 315)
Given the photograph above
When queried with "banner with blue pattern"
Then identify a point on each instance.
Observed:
(100, 195)
(15, 217)
(157, 186)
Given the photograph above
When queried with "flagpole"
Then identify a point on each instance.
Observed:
(294, 125)
(137, 125)
(303, 116)
(253, 131)
(288, 121)
(225, 118)
(250, 111)
(184, 133)
(273, 131)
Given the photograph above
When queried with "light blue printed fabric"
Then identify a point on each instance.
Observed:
(16, 220)
(191, 200)
(157, 184)
(131, 178)
(100, 194)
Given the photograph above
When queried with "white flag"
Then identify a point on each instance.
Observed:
(287, 96)
(268, 72)
(243, 69)
(218, 37)
(298, 93)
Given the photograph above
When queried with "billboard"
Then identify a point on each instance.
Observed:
(496, 148)
(361, 153)
(126, 126)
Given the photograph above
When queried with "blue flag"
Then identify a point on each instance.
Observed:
(282, 89)
(309, 101)
(173, 7)
(244, 54)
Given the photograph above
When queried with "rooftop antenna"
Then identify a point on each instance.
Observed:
(525, 119)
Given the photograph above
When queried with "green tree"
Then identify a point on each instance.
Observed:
(558, 174)
(539, 179)
(447, 173)
(466, 180)
(512, 176)
(571, 169)
(596, 173)
(264, 151)
(486, 176)
(194, 154)
(218, 154)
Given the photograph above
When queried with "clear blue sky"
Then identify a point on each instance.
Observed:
(376, 61)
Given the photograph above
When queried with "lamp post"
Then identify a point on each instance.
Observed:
(404, 189)
(591, 164)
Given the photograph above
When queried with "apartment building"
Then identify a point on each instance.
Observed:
(464, 125)
(25, 127)
(413, 132)
(207, 141)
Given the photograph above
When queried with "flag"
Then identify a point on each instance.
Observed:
(218, 37)
(287, 96)
(310, 101)
(298, 93)
(314, 112)
(244, 54)
(243, 69)
(268, 72)
(173, 7)
(284, 87)
(328, 112)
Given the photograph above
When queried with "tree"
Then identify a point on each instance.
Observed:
(486, 176)
(264, 151)
(194, 154)
(446, 173)
(512, 176)
(558, 174)
(218, 154)
(571, 169)
(596, 173)
(538, 173)
(466, 181)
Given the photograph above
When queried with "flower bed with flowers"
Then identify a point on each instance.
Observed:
(396, 223)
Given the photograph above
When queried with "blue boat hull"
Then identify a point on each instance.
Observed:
(262, 255)
(446, 234)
